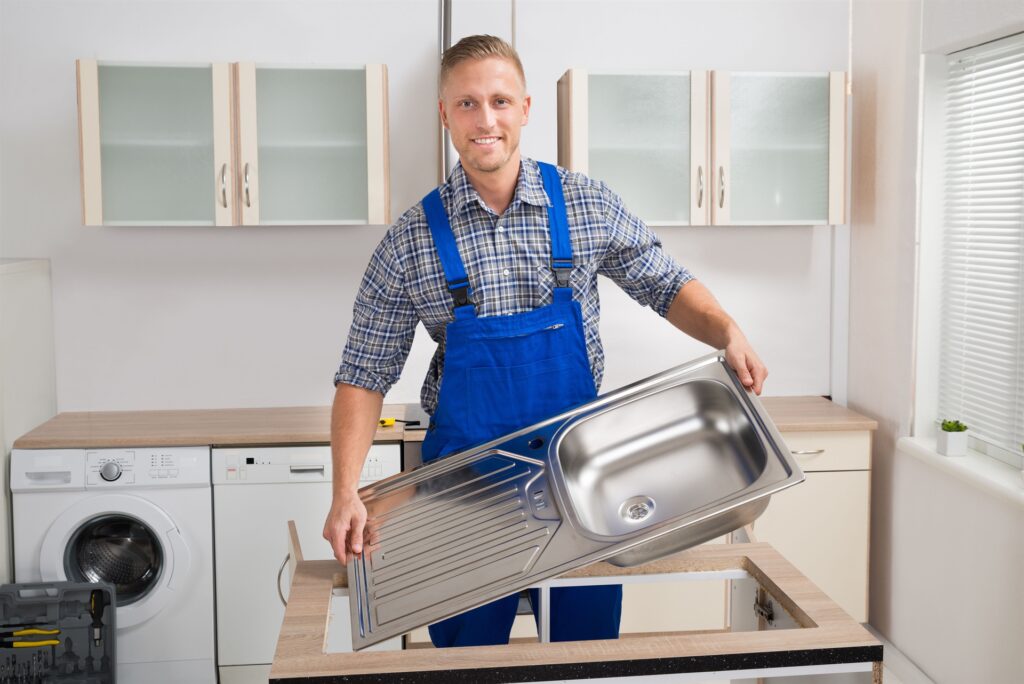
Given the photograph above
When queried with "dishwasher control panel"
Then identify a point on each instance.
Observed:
(270, 465)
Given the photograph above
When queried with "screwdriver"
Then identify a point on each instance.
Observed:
(97, 602)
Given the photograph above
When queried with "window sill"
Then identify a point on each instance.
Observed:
(975, 469)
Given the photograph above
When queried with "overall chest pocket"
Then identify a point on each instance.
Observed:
(507, 398)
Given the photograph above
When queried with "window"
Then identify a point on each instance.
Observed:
(981, 345)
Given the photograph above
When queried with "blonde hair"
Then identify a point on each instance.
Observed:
(478, 47)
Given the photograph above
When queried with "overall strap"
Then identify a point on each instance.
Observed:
(558, 225)
(448, 251)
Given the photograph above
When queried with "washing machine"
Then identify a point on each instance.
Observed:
(140, 519)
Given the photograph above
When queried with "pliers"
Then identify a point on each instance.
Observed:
(10, 639)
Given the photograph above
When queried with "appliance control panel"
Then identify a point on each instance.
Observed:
(110, 466)
(266, 465)
(153, 467)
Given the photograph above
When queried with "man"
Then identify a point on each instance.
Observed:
(501, 263)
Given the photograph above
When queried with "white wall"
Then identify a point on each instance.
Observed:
(945, 556)
(181, 318)
(886, 49)
(956, 570)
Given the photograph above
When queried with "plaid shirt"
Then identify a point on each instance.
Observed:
(508, 261)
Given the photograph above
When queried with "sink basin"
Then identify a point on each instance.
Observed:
(657, 458)
(658, 466)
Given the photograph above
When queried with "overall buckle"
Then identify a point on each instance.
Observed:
(562, 269)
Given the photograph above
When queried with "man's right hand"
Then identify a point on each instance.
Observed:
(344, 526)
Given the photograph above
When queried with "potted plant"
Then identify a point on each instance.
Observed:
(952, 439)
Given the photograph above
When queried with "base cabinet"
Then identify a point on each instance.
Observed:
(822, 525)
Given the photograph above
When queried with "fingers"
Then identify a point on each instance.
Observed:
(744, 375)
(355, 541)
(759, 373)
(337, 534)
(750, 371)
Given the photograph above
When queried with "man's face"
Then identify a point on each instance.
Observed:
(483, 104)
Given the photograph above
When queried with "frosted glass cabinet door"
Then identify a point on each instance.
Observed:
(642, 134)
(312, 145)
(775, 139)
(155, 144)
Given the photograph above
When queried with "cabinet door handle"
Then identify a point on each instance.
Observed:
(245, 185)
(224, 185)
(700, 186)
(721, 187)
(807, 452)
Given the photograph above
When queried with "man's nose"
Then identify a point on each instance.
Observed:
(487, 117)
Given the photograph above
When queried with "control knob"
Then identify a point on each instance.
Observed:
(110, 471)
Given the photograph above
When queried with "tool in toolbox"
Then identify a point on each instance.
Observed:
(57, 632)
(97, 602)
(9, 639)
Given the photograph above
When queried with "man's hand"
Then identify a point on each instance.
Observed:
(344, 526)
(748, 366)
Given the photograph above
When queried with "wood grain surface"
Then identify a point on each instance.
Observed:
(825, 625)
(200, 427)
(311, 425)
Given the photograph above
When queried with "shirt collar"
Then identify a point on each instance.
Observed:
(529, 187)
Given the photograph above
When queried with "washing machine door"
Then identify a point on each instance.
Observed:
(125, 540)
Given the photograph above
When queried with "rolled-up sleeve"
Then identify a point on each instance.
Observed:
(636, 260)
(383, 325)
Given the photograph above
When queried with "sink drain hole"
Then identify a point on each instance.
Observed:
(636, 509)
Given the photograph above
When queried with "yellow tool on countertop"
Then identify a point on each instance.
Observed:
(388, 422)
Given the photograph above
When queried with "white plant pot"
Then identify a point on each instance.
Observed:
(952, 443)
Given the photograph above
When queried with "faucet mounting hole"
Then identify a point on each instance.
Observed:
(536, 443)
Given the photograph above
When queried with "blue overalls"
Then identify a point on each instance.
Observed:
(502, 373)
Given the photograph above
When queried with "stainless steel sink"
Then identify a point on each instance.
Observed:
(641, 472)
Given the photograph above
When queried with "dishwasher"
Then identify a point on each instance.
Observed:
(256, 491)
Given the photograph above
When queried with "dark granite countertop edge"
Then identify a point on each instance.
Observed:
(613, 668)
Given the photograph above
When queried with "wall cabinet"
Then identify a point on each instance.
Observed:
(232, 144)
(711, 148)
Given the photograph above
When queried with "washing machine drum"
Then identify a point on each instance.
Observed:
(125, 540)
(118, 549)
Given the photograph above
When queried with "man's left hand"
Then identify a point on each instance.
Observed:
(748, 366)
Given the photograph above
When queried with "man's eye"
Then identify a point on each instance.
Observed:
(501, 101)
(465, 104)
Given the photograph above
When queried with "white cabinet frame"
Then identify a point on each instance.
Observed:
(235, 176)
(710, 140)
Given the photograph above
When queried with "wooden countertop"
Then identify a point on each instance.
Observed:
(200, 427)
(791, 414)
(311, 425)
(813, 414)
(828, 635)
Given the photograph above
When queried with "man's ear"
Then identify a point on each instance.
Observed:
(440, 110)
(526, 109)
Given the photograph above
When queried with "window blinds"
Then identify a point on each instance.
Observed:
(981, 377)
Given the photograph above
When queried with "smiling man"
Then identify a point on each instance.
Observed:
(500, 264)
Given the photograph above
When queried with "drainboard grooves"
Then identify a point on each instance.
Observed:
(503, 528)
(443, 499)
(450, 586)
(419, 480)
(437, 542)
(455, 515)
(423, 578)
